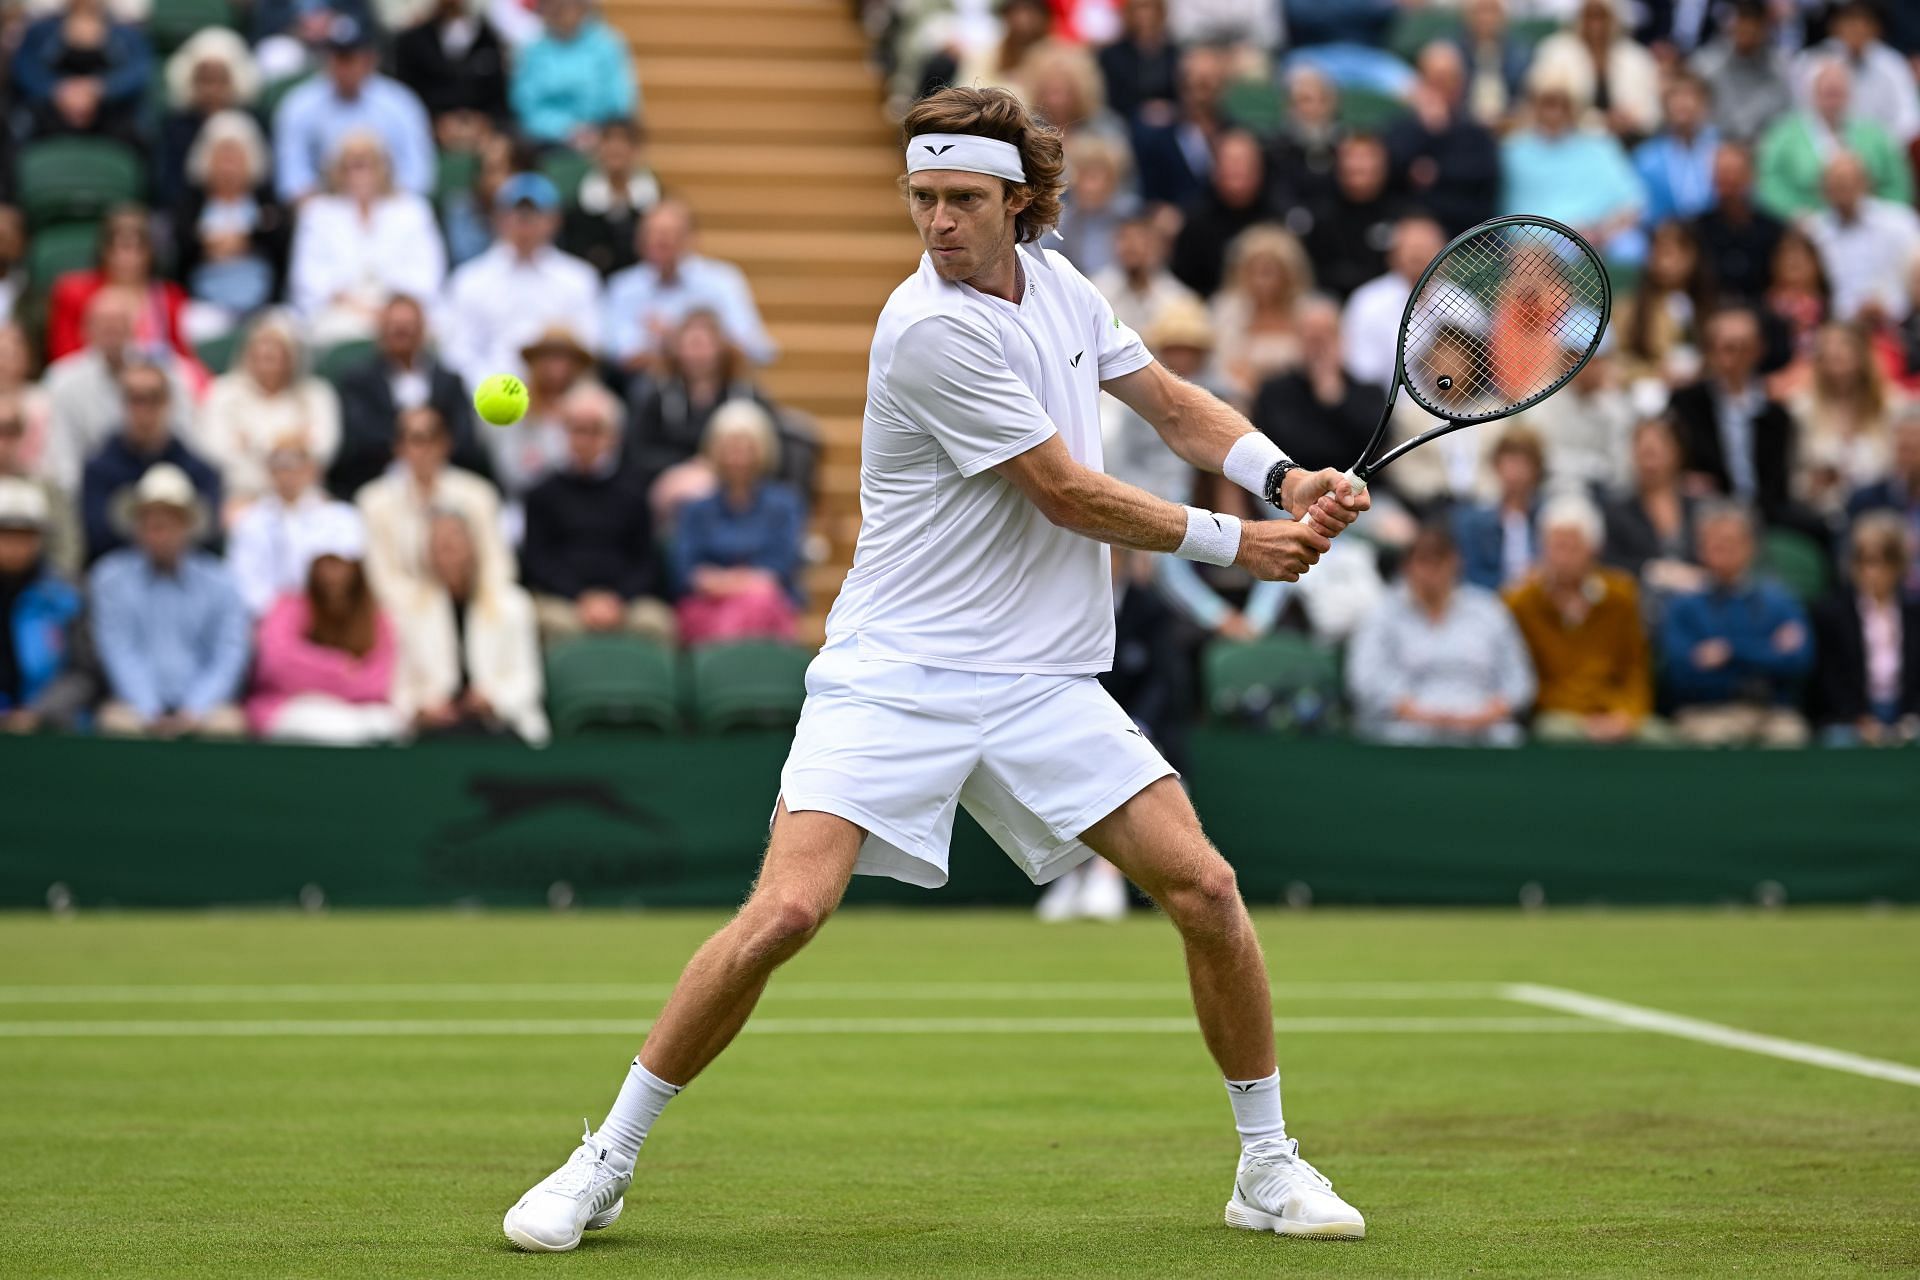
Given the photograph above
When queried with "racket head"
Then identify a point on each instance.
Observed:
(1502, 318)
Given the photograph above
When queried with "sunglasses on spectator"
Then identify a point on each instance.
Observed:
(146, 397)
(421, 437)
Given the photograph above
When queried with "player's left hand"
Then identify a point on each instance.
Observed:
(1327, 494)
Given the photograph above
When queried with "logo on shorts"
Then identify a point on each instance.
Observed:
(939, 151)
(1075, 362)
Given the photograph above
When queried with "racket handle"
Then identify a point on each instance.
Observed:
(1359, 484)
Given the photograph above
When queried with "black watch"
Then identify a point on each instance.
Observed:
(1275, 474)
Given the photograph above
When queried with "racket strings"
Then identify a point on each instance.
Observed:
(1505, 317)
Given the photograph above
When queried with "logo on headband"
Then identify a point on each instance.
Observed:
(940, 151)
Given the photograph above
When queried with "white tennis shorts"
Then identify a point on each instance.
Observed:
(893, 746)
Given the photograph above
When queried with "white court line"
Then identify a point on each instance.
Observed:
(763, 1026)
(594, 993)
(1641, 1018)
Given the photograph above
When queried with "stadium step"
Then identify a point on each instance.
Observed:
(700, 34)
(729, 78)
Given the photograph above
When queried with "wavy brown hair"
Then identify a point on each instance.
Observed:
(996, 113)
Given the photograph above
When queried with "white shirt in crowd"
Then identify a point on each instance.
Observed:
(273, 541)
(1883, 85)
(500, 302)
(396, 248)
(1139, 308)
(1370, 328)
(1867, 256)
(954, 566)
(240, 424)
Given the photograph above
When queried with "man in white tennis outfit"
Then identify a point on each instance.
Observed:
(961, 654)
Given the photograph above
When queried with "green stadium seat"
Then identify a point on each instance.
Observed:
(1415, 29)
(334, 361)
(1365, 111)
(1798, 562)
(455, 172)
(76, 179)
(1271, 679)
(1257, 105)
(748, 684)
(611, 682)
(172, 21)
(566, 169)
(216, 354)
(58, 250)
(1528, 32)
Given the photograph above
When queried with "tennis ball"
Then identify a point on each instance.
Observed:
(501, 399)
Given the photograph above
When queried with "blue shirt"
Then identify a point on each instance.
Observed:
(313, 118)
(561, 85)
(764, 535)
(1746, 617)
(638, 298)
(1580, 178)
(169, 641)
(1678, 177)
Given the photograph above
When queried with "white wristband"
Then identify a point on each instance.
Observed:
(1249, 461)
(1211, 537)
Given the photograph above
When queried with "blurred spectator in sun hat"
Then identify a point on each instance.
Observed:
(349, 96)
(273, 541)
(360, 243)
(646, 301)
(1867, 638)
(1612, 79)
(528, 451)
(230, 234)
(1747, 73)
(401, 372)
(326, 651)
(268, 396)
(144, 439)
(602, 225)
(1797, 150)
(1883, 81)
(500, 301)
(577, 74)
(456, 64)
(60, 531)
(170, 628)
(39, 616)
(1137, 284)
(212, 72)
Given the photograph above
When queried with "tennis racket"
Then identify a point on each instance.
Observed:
(1501, 319)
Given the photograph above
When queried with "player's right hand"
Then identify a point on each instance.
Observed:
(1279, 550)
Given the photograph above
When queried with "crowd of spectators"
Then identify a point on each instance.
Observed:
(242, 485)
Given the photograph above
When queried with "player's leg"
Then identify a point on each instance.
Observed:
(1155, 838)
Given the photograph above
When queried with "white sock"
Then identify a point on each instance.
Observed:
(1256, 1109)
(642, 1098)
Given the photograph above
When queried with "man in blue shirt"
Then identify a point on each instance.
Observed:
(1735, 654)
(168, 622)
(349, 96)
(1676, 165)
(145, 439)
(646, 301)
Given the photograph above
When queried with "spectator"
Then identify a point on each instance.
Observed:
(1899, 492)
(32, 453)
(1795, 152)
(1883, 87)
(125, 261)
(1026, 30)
(469, 655)
(59, 528)
(576, 75)
(467, 212)
(275, 539)
(1747, 74)
(39, 616)
(1349, 234)
(1735, 653)
(528, 451)
(1137, 283)
(361, 244)
(454, 62)
(1096, 203)
(1581, 623)
(1439, 661)
(736, 553)
(1650, 527)
(1613, 80)
(1676, 165)
(1845, 416)
(211, 73)
(1659, 325)
(1581, 177)
(169, 626)
(81, 71)
(327, 653)
(1585, 428)
(284, 31)
(402, 373)
(1737, 440)
(1143, 65)
(1866, 688)
(1324, 416)
(230, 234)
(1234, 200)
(1301, 161)
(1799, 300)
(1131, 449)
(1173, 148)
(645, 302)
(268, 398)
(83, 390)
(1063, 83)
(1449, 160)
(1497, 541)
(399, 507)
(1737, 237)
(1370, 329)
(1267, 275)
(589, 558)
(350, 96)
(1866, 245)
(602, 225)
(501, 300)
(145, 439)
(1496, 62)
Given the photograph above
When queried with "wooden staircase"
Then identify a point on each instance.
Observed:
(766, 117)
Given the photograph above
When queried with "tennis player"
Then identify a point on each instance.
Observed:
(961, 654)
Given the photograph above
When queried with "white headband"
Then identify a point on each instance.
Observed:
(967, 152)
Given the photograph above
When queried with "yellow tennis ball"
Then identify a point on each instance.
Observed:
(501, 399)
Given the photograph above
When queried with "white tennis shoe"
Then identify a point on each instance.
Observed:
(1275, 1190)
(584, 1194)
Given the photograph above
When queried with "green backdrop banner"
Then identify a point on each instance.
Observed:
(680, 821)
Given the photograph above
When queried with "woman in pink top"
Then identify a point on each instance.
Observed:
(325, 657)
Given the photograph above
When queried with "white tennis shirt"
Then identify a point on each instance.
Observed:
(954, 567)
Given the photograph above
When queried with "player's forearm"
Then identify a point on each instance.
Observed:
(1095, 505)
(1200, 427)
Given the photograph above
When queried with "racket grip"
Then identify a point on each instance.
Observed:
(1359, 485)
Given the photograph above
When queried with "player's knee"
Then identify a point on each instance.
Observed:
(1207, 899)
(785, 924)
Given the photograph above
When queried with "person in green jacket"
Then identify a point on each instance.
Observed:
(1795, 150)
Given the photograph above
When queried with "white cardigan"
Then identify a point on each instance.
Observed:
(240, 424)
(502, 652)
(395, 250)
